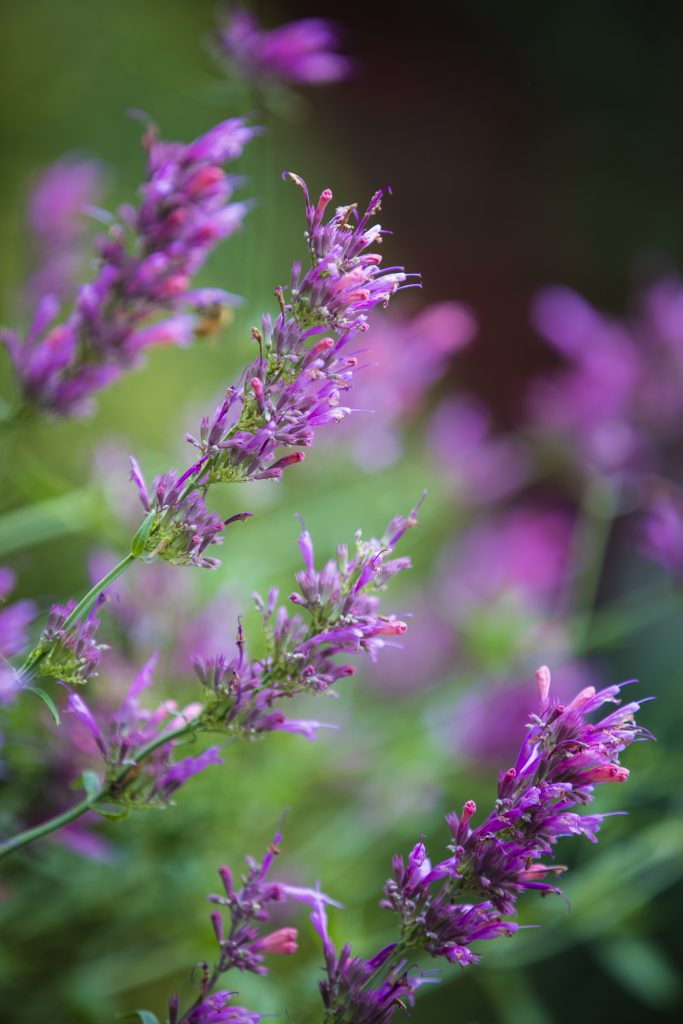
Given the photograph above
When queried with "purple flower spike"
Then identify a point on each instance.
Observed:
(146, 263)
(179, 527)
(563, 757)
(350, 992)
(299, 381)
(301, 52)
(69, 653)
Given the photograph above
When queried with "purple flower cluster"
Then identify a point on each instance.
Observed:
(407, 357)
(561, 760)
(119, 735)
(57, 206)
(68, 652)
(178, 526)
(350, 993)
(242, 946)
(342, 606)
(146, 262)
(294, 387)
(240, 694)
(301, 52)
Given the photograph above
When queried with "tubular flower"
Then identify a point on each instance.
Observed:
(146, 262)
(301, 52)
(561, 760)
(298, 381)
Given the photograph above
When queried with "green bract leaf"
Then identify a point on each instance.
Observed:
(47, 700)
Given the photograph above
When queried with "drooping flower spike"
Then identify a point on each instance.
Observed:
(146, 263)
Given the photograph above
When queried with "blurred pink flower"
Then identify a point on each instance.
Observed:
(523, 553)
(485, 723)
(483, 468)
(403, 359)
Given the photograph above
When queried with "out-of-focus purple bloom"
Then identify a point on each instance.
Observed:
(301, 52)
(486, 722)
(619, 398)
(404, 360)
(15, 618)
(563, 757)
(294, 387)
(350, 990)
(426, 660)
(57, 206)
(69, 653)
(661, 531)
(179, 527)
(522, 554)
(483, 467)
(147, 260)
(154, 608)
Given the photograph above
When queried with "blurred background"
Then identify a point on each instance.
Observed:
(527, 145)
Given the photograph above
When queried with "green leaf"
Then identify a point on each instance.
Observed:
(91, 784)
(111, 812)
(144, 1016)
(139, 542)
(47, 700)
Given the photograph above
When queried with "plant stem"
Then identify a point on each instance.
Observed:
(88, 602)
(66, 817)
(598, 512)
(202, 996)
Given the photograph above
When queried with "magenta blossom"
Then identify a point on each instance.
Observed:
(298, 53)
(58, 205)
(404, 358)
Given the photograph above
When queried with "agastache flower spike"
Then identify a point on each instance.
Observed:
(147, 260)
(178, 526)
(297, 383)
(69, 653)
(342, 605)
(561, 760)
(242, 945)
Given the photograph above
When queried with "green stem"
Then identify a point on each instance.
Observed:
(88, 602)
(30, 835)
(598, 512)
(202, 996)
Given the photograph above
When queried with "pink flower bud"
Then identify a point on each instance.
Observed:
(543, 680)
(607, 773)
(283, 942)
